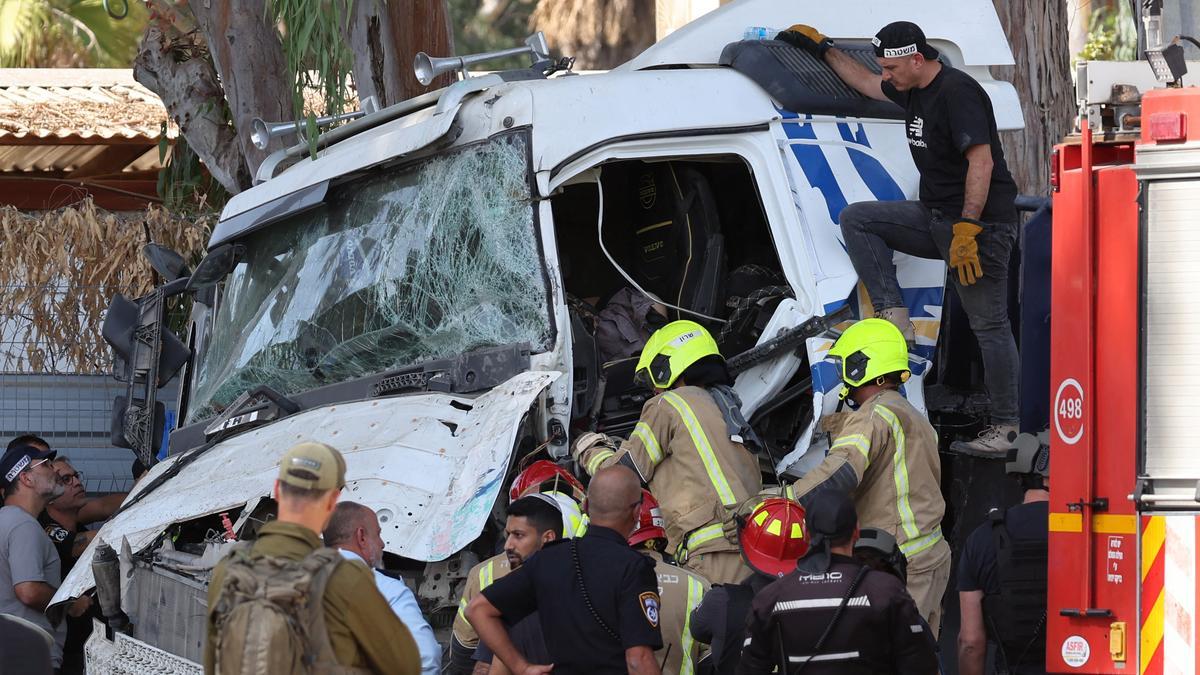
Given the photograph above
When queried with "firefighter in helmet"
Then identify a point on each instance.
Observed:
(689, 447)
(1002, 572)
(772, 539)
(542, 477)
(679, 589)
(885, 455)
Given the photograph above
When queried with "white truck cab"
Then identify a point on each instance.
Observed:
(428, 295)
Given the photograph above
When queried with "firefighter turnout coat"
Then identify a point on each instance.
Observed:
(480, 577)
(680, 591)
(682, 450)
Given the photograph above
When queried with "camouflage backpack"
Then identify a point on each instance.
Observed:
(270, 618)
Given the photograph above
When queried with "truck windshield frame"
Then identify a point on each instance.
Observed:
(425, 260)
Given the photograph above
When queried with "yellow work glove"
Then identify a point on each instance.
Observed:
(964, 251)
(807, 38)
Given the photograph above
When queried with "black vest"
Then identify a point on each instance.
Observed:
(1016, 616)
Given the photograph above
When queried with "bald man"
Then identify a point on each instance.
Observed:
(354, 530)
(612, 626)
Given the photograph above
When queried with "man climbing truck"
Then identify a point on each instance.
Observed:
(964, 215)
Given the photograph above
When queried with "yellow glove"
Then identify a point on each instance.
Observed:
(735, 516)
(964, 251)
(807, 38)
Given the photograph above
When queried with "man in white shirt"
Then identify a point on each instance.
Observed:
(354, 530)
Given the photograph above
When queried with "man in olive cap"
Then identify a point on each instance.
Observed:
(965, 213)
(360, 629)
(833, 614)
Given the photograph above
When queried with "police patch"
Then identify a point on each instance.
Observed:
(649, 602)
(57, 533)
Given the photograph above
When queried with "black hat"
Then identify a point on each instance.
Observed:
(18, 459)
(902, 38)
(831, 517)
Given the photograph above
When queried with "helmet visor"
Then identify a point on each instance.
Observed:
(657, 375)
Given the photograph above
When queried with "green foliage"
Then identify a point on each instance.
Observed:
(183, 185)
(70, 33)
(1112, 34)
(316, 54)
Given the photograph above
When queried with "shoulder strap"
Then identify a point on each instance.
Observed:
(321, 563)
(587, 599)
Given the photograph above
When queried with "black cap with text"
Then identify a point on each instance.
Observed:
(902, 38)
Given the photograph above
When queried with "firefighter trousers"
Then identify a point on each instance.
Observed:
(928, 574)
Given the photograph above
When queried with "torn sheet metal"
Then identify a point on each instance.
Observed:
(431, 465)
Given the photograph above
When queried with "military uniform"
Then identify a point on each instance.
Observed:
(364, 632)
(595, 597)
(681, 591)
(879, 630)
(885, 455)
(480, 577)
(682, 450)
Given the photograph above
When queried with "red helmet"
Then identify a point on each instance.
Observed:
(545, 475)
(773, 538)
(650, 521)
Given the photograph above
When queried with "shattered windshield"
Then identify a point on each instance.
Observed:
(422, 262)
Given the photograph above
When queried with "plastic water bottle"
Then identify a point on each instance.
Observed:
(759, 33)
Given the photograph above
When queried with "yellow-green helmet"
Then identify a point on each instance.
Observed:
(670, 350)
(868, 349)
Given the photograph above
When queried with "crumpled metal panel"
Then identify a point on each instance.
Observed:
(430, 464)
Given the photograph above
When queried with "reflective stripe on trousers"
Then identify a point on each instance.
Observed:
(695, 594)
(700, 440)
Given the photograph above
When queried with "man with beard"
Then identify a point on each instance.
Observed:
(30, 571)
(66, 516)
(354, 530)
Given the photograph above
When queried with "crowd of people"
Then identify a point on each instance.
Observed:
(674, 558)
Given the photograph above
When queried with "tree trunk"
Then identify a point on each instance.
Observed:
(600, 34)
(376, 66)
(1036, 32)
(191, 92)
(246, 51)
(416, 26)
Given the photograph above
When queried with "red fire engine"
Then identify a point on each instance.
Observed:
(1125, 365)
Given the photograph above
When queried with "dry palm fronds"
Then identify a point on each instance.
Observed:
(59, 270)
(600, 34)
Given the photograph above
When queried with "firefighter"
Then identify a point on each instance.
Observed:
(679, 589)
(965, 214)
(832, 614)
(885, 454)
(689, 448)
(1002, 574)
(772, 540)
(538, 476)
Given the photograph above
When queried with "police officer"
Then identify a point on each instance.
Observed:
(539, 476)
(689, 448)
(833, 614)
(885, 454)
(680, 589)
(1002, 573)
(597, 598)
(772, 540)
(965, 214)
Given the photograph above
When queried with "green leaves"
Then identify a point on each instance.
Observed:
(60, 33)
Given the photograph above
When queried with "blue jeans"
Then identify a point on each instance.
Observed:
(873, 230)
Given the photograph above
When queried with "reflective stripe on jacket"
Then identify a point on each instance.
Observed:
(480, 577)
(885, 453)
(681, 591)
(683, 452)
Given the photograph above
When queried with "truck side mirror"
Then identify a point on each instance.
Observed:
(125, 418)
(215, 266)
(123, 324)
(169, 264)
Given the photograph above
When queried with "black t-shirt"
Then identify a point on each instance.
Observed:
(620, 582)
(977, 562)
(942, 120)
(526, 636)
(63, 538)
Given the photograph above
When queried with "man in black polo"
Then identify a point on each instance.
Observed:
(597, 598)
(965, 214)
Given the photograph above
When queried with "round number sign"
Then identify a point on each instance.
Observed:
(1068, 411)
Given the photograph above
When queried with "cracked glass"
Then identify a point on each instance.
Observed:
(422, 262)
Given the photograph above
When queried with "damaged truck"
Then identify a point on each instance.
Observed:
(432, 294)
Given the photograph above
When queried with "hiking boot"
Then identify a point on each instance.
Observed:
(898, 316)
(993, 442)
